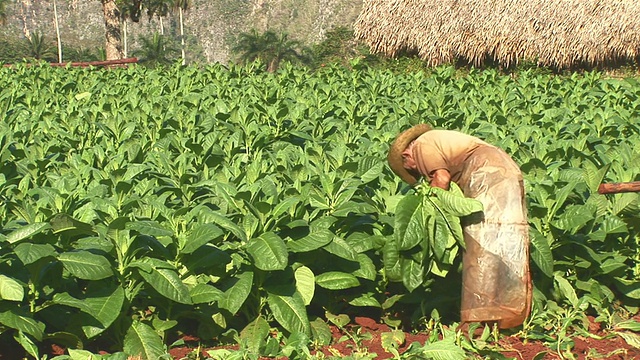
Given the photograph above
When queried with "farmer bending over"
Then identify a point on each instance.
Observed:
(496, 285)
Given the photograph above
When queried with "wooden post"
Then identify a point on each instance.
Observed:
(615, 188)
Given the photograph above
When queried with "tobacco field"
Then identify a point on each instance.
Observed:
(257, 210)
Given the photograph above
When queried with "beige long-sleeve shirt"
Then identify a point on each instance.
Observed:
(444, 149)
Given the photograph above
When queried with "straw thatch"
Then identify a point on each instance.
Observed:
(556, 33)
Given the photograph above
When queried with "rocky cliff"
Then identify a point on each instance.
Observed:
(210, 25)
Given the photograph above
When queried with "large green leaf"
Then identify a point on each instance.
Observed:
(351, 208)
(286, 205)
(102, 302)
(541, 252)
(404, 212)
(412, 274)
(336, 280)
(10, 289)
(367, 269)
(362, 241)
(415, 230)
(201, 235)
(456, 205)
(17, 319)
(629, 288)
(305, 283)
(141, 340)
(442, 238)
(444, 349)
(320, 331)
(64, 223)
(165, 280)
(565, 288)
(365, 300)
(341, 248)
(147, 227)
(205, 293)
(594, 174)
(236, 295)
(269, 252)
(630, 338)
(391, 260)
(29, 253)
(254, 334)
(289, 311)
(225, 223)
(27, 231)
(27, 343)
(371, 172)
(86, 265)
(315, 240)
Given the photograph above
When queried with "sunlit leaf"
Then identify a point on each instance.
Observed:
(269, 252)
(86, 265)
(141, 340)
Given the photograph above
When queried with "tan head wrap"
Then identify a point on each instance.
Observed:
(399, 145)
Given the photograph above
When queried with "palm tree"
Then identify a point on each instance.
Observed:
(159, 8)
(269, 47)
(117, 12)
(250, 46)
(38, 47)
(156, 50)
(129, 10)
(82, 54)
(55, 18)
(113, 43)
(181, 6)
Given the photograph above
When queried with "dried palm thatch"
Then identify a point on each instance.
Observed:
(555, 33)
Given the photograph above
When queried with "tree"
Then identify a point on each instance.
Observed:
(249, 46)
(162, 8)
(156, 50)
(113, 44)
(55, 21)
(158, 8)
(116, 11)
(181, 6)
(268, 47)
(38, 47)
(339, 45)
(128, 10)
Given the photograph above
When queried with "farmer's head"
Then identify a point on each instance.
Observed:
(400, 155)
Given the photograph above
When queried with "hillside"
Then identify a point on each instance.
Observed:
(209, 25)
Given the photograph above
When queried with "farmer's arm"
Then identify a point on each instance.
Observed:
(440, 178)
(430, 163)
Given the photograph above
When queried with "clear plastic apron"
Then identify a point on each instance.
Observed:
(496, 284)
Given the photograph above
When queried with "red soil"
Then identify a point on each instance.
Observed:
(613, 348)
(603, 346)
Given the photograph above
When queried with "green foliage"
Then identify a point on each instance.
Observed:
(427, 235)
(38, 47)
(80, 54)
(11, 51)
(156, 50)
(146, 200)
(3, 12)
(269, 48)
(338, 46)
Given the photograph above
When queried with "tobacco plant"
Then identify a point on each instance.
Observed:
(137, 204)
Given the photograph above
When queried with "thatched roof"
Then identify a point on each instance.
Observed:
(556, 33)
